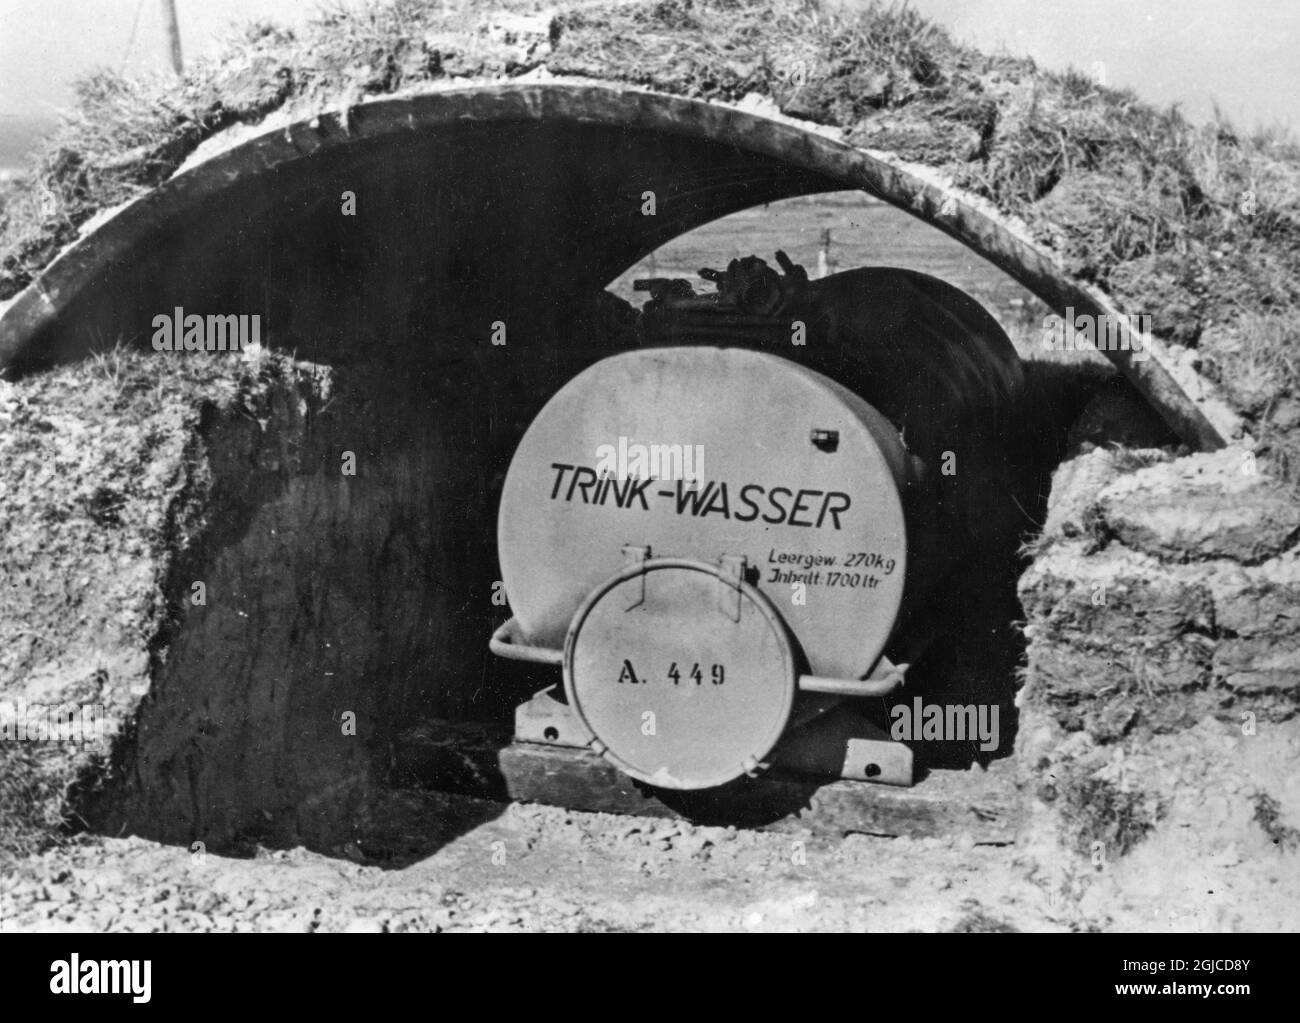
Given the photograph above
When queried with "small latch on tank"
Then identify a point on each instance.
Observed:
(826, 440)
(731, 573)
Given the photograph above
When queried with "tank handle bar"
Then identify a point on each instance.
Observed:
(883, 681)
(505, 643)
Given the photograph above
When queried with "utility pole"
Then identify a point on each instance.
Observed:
(826, 263)
(173, 34)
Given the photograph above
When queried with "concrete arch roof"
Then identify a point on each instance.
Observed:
(714, 157)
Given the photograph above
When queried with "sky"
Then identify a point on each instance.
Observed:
(1242, 54)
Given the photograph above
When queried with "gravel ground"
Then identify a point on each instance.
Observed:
(1208, 866)
(539, 868)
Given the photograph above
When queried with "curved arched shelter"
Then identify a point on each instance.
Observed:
(478, 206)
(497, 200)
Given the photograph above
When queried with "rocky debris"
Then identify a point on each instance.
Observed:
(1228, 864)
(561, 871)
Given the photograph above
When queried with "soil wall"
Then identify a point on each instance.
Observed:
(1159, 742)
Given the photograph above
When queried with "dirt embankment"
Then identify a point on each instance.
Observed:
(165, 520)
(1159, 740)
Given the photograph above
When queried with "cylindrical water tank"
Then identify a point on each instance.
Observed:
(697, 526)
